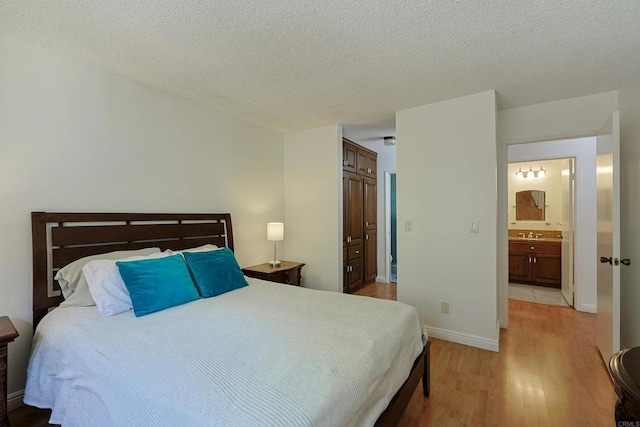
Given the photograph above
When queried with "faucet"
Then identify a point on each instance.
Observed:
(538, 235)
(522, 235)
(531, 234)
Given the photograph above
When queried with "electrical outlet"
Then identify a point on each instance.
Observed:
(444, 307)
(408, 225)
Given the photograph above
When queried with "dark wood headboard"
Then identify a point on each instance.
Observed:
(60, 238)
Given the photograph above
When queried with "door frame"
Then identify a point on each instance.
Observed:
(567, 287)
(583, 150)
(387, 224)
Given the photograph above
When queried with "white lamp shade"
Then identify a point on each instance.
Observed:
(275, 231)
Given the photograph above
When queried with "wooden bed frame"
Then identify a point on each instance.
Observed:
(60, 238)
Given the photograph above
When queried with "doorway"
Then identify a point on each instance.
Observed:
(391, 251)
(541, 219)
(394, 230)
(585, 239)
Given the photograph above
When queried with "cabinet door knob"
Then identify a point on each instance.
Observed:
(532, 248)
(366, 223)
(529, 260)
(535, 260)
(357, 252)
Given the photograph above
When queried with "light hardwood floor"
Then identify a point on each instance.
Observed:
(548, 373)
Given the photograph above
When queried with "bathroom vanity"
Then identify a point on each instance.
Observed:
(535, 261)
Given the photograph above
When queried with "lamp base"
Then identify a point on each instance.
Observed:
(274, 263)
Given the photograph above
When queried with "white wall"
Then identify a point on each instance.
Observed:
(74, 138)
(584, 151)
(386, 163)
(564, 119)
(567, 118)
(446, 178)
(313, 204)
(629, 208)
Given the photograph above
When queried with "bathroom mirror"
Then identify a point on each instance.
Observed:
(530, 205)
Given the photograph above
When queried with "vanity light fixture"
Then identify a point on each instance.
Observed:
(541, 173)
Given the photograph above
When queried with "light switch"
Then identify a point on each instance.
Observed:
(475, 226)
(408, 225)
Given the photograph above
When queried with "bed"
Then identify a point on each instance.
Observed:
(266, 354)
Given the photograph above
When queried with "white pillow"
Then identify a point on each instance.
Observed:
(203, 248)
(106, 285)
(72, 281)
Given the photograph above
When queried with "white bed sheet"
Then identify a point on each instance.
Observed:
(266, 354)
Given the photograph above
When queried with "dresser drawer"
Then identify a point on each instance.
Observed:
(550, 248)
(354, 252)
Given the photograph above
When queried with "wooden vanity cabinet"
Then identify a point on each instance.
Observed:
(353, 208)
(367, 163)
(370, 256)
(536, 263)
(360, 215)
(349, 156)
(353, 275)
(370, 200)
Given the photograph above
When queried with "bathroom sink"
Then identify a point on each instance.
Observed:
(536, 239)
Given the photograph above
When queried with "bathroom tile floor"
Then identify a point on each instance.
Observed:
(539, 294)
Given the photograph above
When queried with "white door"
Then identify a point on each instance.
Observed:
(608, 206)
(567, 179)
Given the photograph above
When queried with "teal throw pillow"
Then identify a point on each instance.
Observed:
(215, 272)
(156, 284)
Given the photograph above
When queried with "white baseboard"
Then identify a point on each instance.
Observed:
(381, 279)
(587, 308)
(462, 338)
(14, 400)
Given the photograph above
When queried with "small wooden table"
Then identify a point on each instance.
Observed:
(7, 334)
(288, 272)
(624, 368)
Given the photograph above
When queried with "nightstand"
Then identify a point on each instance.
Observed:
(287, 272)
(7, 334)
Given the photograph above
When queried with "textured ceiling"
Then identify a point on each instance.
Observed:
(295, 64)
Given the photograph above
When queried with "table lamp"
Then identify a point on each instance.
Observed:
(275, 233)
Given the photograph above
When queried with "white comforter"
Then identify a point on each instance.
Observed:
(266, 354)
